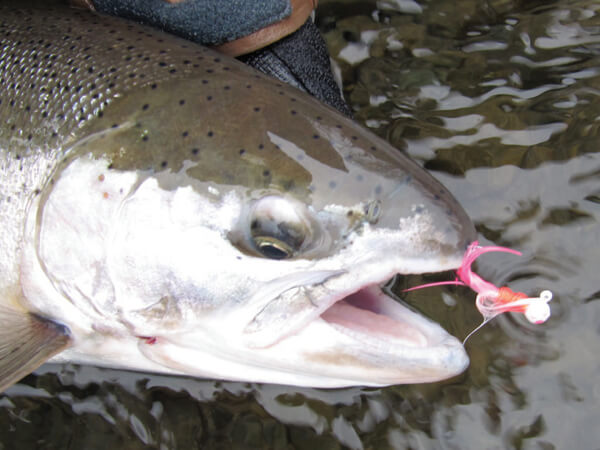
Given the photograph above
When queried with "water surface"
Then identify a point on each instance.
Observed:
(500, 99)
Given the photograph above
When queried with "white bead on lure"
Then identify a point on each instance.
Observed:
(492, 300)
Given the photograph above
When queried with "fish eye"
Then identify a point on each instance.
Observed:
(277, 228)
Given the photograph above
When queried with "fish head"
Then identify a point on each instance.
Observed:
(250, 240)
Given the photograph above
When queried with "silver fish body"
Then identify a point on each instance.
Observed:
(165, 208)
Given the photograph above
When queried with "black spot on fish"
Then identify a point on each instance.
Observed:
(210, 134)
(316, 136)
(185, 134)
(256, 109)
(266, 173)
(163, 164)
(195, 151)
(182, 102)
(242, 151)
(146, 106)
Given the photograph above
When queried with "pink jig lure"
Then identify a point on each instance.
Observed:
(492, 300)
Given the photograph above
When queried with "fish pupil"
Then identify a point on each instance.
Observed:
(272, 251)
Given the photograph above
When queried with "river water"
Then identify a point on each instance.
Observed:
(500, 99)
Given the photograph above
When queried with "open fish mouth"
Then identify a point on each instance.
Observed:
(372, 316)
(371, 337)
(362, 309)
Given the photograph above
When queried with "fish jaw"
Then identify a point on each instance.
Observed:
(366, 338)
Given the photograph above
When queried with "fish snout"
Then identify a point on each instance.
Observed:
(426, 217)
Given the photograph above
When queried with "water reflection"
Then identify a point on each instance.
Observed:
(500, 99)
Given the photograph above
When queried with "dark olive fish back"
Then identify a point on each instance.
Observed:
(165, 102)
(74, 64)
(62, 81)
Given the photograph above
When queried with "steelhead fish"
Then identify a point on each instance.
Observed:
(167, 209)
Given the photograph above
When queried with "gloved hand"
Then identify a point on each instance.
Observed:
(235, 27)
(277, 37)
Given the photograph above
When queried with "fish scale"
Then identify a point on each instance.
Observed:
(78, 74)
(168, 209)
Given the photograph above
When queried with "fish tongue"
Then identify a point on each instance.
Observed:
(361, 315)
